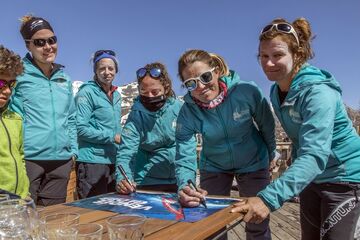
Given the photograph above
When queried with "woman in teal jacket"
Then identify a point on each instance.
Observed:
(98, 125)
(237, 129)
(326, 149)
(43, 97)
(147, 150)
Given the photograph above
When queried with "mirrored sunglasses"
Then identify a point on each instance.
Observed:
(41, 42)
(204, 78)
(281, 27)
(11, 84)
(153, 72)
(100, 52)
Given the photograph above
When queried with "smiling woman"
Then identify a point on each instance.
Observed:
(237, 129)
(326, 149)
(43, 96)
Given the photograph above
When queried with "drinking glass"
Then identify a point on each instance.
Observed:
(14, 223)
(30, 206)
(126, 227)
(52, 224)
(85, 231)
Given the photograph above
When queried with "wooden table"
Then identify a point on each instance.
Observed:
(156, 228)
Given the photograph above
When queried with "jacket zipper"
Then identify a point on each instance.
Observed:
(226, 136)
(11, 153)
(53, 115)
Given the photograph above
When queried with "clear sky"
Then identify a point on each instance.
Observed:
(143, 31)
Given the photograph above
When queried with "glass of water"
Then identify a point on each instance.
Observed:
(126, 227)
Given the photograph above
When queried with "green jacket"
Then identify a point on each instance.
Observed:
(12, 165)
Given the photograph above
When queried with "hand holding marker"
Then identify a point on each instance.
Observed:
(193, 187)
(126, 177)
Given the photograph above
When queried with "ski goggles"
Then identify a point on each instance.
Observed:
(204, 78)
(281, 27)
(100, 52)
(41, 42)
(11, 84)
(153, 72)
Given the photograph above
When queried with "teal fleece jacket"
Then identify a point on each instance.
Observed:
(48, 111)
(98, 120)
(147, 149)
(238, 135)
(326, 146)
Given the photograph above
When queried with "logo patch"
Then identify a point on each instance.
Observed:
(295, 116)
(238, 115)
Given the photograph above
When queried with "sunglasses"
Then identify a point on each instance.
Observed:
(204, 78)
(281, 27)
(100, 52)
(153, 72)
(11, 84)
(41, 42)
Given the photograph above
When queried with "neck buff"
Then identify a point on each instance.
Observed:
(33, 25)
(153, 103)
(216, 101)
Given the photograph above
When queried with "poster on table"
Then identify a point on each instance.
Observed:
(153, 205)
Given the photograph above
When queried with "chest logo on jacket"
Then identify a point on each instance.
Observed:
(62, 83)
(294, 115)
(238, 115)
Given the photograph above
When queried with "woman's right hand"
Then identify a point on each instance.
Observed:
(123, 187)
(191, 198)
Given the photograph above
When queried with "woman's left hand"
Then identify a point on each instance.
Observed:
(254, 208)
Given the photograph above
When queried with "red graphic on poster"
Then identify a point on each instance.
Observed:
(167, 203)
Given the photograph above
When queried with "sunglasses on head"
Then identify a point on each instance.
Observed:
(11, 84)
(281, 27)
(100, 52)
(204, 78)
(153, 72)
(41, 42)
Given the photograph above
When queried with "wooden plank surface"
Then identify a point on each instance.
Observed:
(154, 228)
(197, 230)
(284, 224)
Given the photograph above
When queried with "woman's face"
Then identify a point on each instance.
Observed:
(203, 92)
(276, 60)
(45, 54)
(105, 71)
(151, 87)
(5, 92)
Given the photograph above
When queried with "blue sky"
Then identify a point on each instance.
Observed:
(161, 30)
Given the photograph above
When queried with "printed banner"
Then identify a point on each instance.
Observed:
(153, 205)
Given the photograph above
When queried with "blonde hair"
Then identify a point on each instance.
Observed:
(24, 19)
(10, 63)
(211, 59)
(302, 52)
